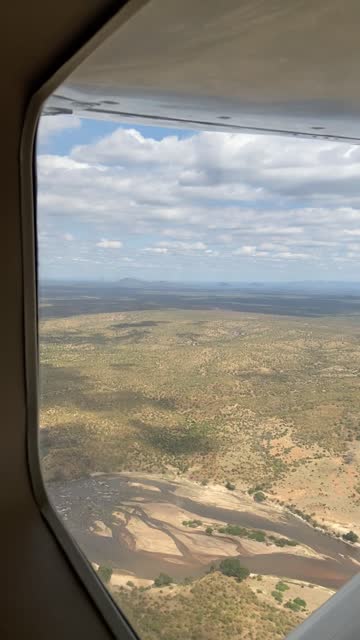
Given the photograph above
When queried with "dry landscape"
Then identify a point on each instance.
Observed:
(247, 407)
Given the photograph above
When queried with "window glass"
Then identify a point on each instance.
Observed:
(199, 347)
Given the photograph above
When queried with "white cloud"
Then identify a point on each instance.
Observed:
(246, 250)
(109, 244)
(50, 126)
(184, 246)
(269, 199)
(68, 237)
(156, 249)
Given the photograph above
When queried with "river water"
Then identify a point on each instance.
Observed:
(81, 502)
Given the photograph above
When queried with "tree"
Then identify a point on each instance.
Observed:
(230, 486)
(350, 536)
(300, 602)
(163, 580)
(281, 586)
(231, 567)
(104, 574)
(259, 496)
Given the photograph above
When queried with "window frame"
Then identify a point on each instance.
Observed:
(336, 618)
(109, 611)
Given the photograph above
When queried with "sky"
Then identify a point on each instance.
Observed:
(166, 204)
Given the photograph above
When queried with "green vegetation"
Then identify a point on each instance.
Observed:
(258, 487)
(242, 532)
(269, 400)
(351, 537)
(277, 595)
(163, 580)
(298, 604)
(283, 542)
(217, 403)
(197, 612)
(255, 534)
(259, 496)
(104, 574)
(193, 524)
(231, 567)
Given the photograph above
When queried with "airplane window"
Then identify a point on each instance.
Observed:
(199, 361)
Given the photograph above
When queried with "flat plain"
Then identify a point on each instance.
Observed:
(253, 390)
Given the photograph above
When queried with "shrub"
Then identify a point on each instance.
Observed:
(292, 605)
(292, 543)
(104, 574)
(130, 583)
(259, 496)
(350, 536)
(282, 586)
(259, 487)
(209, 531)
(259, 536)
(163, 580)
(277, 596)
(192, 523)
(300, 602)
(231, 567)
(234, 530)
(230, 486)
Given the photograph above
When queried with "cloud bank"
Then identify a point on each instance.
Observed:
(200, 206)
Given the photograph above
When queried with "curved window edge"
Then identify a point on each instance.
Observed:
(336, 617)
(100, 597)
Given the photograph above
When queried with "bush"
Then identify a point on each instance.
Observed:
(259, 487)
(192, 523)
(277, 596)
(281, 586)
(130, 583)
(104, 574)
(230, 486)
(231, 567)
(284, 542)
(234, 530)
(242, 532)
(163, 580)
(300, 602)
(209, 531)
(259, 496)
(259, 536)
(292, 605)
(350, 536)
